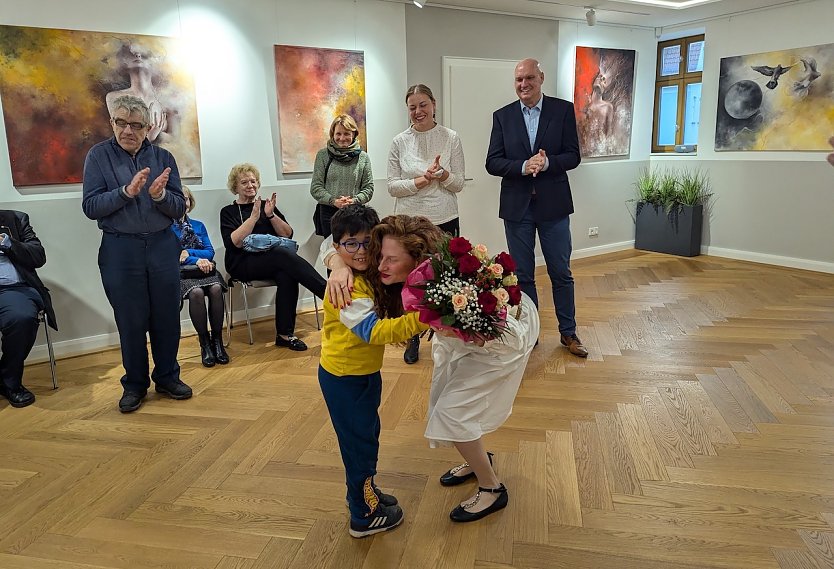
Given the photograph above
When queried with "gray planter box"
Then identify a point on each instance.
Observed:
(677, 232)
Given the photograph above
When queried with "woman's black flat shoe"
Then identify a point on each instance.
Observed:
(449, 479)
(460, 514)
(292, 343)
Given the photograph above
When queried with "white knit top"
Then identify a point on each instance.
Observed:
(412, 153)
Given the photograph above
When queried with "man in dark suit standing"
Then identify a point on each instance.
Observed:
(532, 147)
(22, 296)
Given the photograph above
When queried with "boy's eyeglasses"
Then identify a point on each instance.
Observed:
(352, 246)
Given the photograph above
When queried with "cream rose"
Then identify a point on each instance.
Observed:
(502, 295)
(496, 269)
(458, 302)
(510, 280)
(481, 252)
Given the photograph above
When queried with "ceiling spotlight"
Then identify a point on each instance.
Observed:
(418, 4)
(591, 16)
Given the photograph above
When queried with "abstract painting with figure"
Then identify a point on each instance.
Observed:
(57, 87)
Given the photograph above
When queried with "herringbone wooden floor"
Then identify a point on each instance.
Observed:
(698, 434)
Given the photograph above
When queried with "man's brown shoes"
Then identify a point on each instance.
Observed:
(574, 345)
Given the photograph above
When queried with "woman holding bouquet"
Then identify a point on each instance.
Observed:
(478, 365)
(474, 381)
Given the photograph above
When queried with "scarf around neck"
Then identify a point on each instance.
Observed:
(344, 154)
(188, 239)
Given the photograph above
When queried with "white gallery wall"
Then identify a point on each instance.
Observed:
(772, 207)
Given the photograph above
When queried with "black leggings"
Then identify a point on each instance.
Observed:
(197, 308)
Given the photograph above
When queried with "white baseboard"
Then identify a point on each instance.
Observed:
(86, 345)
(767, 259)
(594, 251)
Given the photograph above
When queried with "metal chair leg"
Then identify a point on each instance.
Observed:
(227, 312)
(246, 310)
(51, 353)
(316, 305)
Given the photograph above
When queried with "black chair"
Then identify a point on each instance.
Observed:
(244, 285)
(42, 319)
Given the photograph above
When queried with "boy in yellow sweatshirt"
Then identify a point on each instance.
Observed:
(352, 348)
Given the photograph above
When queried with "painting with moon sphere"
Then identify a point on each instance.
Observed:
(779, 100)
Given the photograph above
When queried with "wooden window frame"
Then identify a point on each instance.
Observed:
(681, 80)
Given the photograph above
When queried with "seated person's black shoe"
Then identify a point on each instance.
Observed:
(449, 479)
(292, 342)
(18, 396)
(176, 390)
(412, 350)
(206, 352)
(130, 401)
(220, 355)
(384, 518)
(460, 514)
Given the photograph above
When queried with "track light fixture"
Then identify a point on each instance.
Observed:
(418, 4)
(591, 16)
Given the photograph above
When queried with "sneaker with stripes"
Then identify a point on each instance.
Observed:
(383, 519)
(384, 499)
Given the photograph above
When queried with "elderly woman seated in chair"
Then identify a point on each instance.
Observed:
(259, 247)
(199, 280)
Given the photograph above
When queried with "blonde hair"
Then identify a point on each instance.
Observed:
(348, 123)
(191, 201)
(239, 169)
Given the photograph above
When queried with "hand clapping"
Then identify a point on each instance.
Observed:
(432, 172)
(343, 201)
(536, 163)
(256, 209)
(269, 206)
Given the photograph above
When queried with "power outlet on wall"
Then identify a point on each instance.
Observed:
(593, 232)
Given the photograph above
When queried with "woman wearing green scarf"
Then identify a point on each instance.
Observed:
(341, 174)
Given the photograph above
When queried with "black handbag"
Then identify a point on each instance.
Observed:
(195, 272)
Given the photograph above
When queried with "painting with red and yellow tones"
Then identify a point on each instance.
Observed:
(602, 100)
(315, 85)
(56, 86)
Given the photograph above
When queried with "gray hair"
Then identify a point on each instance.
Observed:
(133, 105)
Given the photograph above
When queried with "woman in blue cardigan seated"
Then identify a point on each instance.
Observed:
(199, 280)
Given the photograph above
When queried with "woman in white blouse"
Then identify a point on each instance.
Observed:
(425, 172)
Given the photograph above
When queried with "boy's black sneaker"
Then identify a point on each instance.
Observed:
(383, 519)
(384, 499)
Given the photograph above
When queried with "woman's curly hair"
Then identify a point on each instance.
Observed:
(419, 236)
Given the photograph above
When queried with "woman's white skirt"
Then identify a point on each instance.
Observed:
(473, 388)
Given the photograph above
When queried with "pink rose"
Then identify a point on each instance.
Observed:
(496, 269)
(458, 302)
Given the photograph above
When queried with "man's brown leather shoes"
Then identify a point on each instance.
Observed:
(574, 345)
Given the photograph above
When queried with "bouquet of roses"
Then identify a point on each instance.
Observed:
(464, 290)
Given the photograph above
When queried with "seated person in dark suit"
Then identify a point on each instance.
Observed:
(22, 296)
